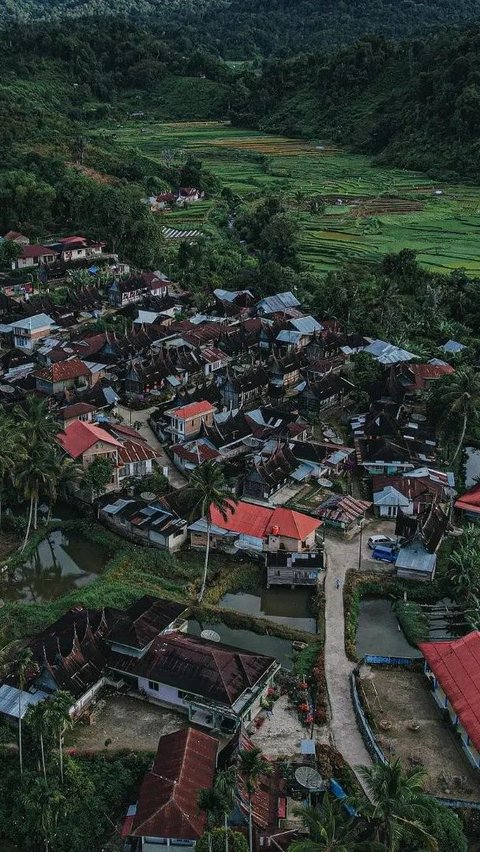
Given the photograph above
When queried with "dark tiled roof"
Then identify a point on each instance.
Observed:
(213, 671)
(144, 620)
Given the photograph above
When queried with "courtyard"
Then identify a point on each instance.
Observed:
(125, 723)
(409, 725)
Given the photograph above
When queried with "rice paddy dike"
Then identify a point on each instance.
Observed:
(370, 210)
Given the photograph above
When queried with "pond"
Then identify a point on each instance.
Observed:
(247, 640)
(62, 562)
(446, 620)
(284, 606)
(472, 466)
(379, 631)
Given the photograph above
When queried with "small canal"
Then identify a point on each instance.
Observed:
(291, 607)
(379, 631)
(62, 562)
(247, 640)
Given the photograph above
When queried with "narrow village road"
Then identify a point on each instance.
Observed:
(341, 556)
(130, 417)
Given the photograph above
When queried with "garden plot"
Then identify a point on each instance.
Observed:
(409, 725)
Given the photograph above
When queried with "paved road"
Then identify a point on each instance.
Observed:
(342, 556)
(175, 478)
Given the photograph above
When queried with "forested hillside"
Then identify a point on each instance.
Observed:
(244, 29)
(416, 104)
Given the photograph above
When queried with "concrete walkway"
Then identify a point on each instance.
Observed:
(341, 556)
(129, 417)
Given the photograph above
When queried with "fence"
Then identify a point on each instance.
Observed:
(379, 660)
(371, 744)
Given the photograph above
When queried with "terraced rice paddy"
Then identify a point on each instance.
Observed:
(370, 210)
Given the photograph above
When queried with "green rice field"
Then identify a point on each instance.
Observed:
(370, 210)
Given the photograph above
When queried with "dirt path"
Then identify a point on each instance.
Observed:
(175, 478)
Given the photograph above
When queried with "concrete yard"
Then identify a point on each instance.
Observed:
(130, 723)
(400, 698)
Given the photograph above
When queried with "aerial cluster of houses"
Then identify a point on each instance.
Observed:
(267, 390)
(249, 384)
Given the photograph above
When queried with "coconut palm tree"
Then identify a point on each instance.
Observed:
(225, 781)
(43, 807)
(460, 395)
(59, 715)
(38, 719)
(210, 802)
(209, 490)
(63, 472)
(34, 475)
(24, 663)
(397, 803)
(10, 449)
(38, 423)
(330, 830)
(252, 765)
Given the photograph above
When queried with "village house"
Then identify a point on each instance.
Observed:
(294, 569)
(189, 195)
(186, 421)
(468, 504)
(284, 370)
(34, 255)
(166, 814)
(57, 378)
(72, 653)
(238, 390)
(156, 522)
(269, 473)
(217, 686)
(227, 438)
(134, 288)
(27, 333)
(77, 411)
(76, 248)
(130, 454)
(17, 237)
(85, 442)
(421, 537)
(343, 512)
(453, 671)
(328, 391)
(412, 493)
(256, 527)
(282, 303)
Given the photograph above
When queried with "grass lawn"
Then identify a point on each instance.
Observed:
(442, 222)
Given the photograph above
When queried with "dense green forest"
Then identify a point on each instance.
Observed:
(416, 104)
(244, 29)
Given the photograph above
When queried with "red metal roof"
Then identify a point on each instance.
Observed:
(63, 371)
(168, 800)
(456, 665)
(260, 521)
(194, 409)
(470, 501)
(79, 437)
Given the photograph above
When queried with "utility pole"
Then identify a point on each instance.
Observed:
(360, 541)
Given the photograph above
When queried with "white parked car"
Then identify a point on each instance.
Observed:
(383, 540)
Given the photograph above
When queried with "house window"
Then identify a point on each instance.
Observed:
(153, 686)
